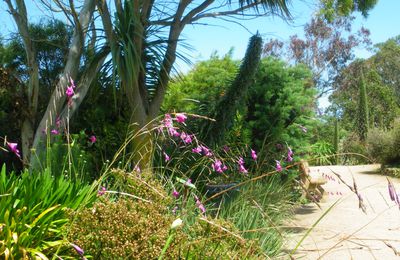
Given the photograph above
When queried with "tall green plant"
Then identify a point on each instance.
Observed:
(363, 115)
(234, 99)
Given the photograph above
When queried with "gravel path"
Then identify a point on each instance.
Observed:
(346, 232)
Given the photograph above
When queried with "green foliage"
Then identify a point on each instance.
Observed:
(334, 8)
(32, 212)
(363, 114)
(214, 133)
(321, 153)
(383, 145)
(198, 91)
(280, 103)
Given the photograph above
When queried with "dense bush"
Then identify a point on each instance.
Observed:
(383, 145)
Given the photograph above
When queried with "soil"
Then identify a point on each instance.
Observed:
(346, 232)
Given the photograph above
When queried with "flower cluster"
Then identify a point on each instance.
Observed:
(242, 169)
(218, 166)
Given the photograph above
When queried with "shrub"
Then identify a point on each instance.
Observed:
(125, 228)
(383, 145)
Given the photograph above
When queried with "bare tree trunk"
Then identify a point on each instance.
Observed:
(19, 14)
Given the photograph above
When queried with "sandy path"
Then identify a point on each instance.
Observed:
(346, 232)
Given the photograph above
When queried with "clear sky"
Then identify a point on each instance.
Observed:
(383, 22)
(220, 36)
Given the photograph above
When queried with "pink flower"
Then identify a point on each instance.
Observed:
(54, 132)
(78, 249)
(92, 139)
(14, 148)
(168, 121)
(226, 148)
(278, 166)
(137, 169)
(175, 194)
(253, 155)
(197, 150)
(180, 117)
(187, 139)
(218, 166)
(200, 205)
(206, 151)
(71, 81)
(69, 92)
(289, 157)
(102, 191)
(166, 157)
(242, 169)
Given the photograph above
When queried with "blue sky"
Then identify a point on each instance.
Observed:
(383, 22)
(220, 36)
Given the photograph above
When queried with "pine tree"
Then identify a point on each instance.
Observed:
(213, 133)
(362, 117)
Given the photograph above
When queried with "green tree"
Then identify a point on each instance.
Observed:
(280, 106)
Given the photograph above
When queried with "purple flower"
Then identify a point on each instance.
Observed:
(14, 148)
(200, 205)
(168, 121)
(278, 166)
(71, 81)
(78, 249)
(197, 150)
(137, 169)
(92, 139)
(180, 117)
(174, 210)
(253, 155)
(69, 92)
(392, 193)
(102, 191)
(166, 157)
(175, 194)
(289, 157)
(187, 139)
(242, 169)
(218, 166)
(206, 151)
(54, 132)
